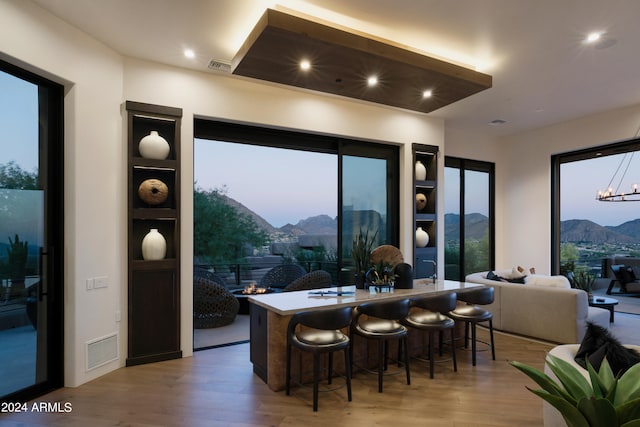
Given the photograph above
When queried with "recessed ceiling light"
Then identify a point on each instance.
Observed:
(372, 81)
(427, 93)
(593, 37)
(305, 64)
(189, 53)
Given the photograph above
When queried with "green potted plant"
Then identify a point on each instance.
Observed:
(584, 280)
(606, 401)
(361, 254)
(381, 275)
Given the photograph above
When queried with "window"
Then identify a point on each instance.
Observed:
(351, 184)
(469, 219)
(585, 231)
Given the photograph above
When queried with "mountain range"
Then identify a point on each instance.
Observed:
(573, 230)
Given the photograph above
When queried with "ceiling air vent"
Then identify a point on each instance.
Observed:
(217, 65)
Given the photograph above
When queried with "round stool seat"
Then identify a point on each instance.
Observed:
(471, 313)
(320, 339)
(383, 328)
(425, 319)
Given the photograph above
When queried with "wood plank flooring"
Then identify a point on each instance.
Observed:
(217, 388)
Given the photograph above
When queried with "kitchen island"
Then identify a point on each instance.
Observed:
(270, 315)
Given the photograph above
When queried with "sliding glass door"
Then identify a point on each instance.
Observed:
(30, 235)
(469, 223)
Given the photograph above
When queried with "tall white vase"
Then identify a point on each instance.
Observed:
(421, 171)
(154, 246)
(153, 146)
(422, 238)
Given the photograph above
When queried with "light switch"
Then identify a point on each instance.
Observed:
(101, 282)
(90, 284)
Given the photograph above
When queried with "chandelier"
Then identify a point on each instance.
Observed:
(614, 195)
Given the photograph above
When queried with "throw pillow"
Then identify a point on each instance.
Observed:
(492, 276)
(549, 281)
(598, 344)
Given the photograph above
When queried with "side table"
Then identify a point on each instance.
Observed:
(604, 302)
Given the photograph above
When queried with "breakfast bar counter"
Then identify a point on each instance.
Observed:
(270, 315)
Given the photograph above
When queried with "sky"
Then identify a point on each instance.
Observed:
(580, 181)
(282, 188)
(18, 135)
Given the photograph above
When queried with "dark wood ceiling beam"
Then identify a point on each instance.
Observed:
(342, 60)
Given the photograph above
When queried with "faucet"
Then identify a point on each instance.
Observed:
(435, 269)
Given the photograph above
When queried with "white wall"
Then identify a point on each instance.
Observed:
(97, 82)
(94, 175)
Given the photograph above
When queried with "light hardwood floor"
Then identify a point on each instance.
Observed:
(217, 388)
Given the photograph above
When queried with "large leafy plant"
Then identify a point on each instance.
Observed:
(607, 401)
(361, 251)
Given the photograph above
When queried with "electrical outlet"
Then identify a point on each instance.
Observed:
(101, 282)
(90, 284)
(118, 316)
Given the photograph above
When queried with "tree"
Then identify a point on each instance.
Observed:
(12, 176)
(221, 232)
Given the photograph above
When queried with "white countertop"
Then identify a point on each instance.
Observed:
(287, 303)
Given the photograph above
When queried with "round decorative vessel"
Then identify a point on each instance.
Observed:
(422, 238)
(421, 202)
(153, 192)
(153, 146)
(421, 171)
(154, 246)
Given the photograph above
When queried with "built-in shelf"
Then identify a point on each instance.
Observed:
(425, 212)
(154, 285)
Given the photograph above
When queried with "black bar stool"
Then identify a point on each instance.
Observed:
(320, 334)
(431, 317)
(472, 314)
(382, 323)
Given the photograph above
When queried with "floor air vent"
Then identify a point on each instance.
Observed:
(102, 351)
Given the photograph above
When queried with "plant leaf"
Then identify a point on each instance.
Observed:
(634, 423)
(573, 381)
(628, 411)
(572, 416)
(628, 385)
(605, 374)
(544, 381)
(599, 389)
(598, 412)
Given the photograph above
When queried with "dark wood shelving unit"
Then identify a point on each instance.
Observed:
(426, 218)
(153, 285)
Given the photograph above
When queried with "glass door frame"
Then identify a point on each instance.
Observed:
(464, 165)
(51, 179)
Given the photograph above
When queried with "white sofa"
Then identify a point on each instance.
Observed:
(545, 307)
(566, 352)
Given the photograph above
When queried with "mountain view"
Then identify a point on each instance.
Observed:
(576, 231)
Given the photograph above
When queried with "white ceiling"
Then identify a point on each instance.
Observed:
(542, 70)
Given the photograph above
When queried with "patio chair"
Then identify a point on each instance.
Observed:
(213, 304)
(281, 275)
(626, 278)
(315, 280)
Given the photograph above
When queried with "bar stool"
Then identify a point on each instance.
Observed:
(472, 314)
(382, 323)
(431, 317)
(320, 334)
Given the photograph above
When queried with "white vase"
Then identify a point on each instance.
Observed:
(422, 238)
(421, 171)
(153, 146)
(154, 246)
